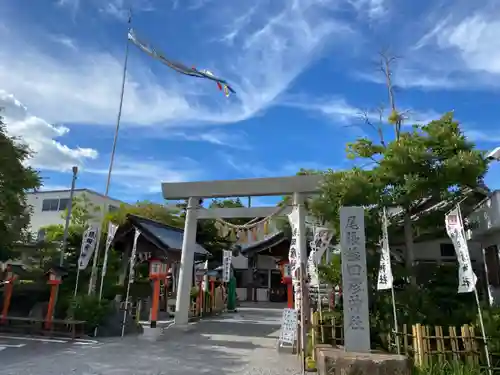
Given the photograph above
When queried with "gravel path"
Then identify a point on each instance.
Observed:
(242, 343)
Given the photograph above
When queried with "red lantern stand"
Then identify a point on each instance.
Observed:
(157, 272)
(54, 281)
(286, 278)
(9, 286)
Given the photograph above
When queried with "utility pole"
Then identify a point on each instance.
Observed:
(66, 227)
(68, 216)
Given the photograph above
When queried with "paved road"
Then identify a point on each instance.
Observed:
(15, 348)
(243, 343)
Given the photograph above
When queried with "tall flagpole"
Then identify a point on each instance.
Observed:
(93, 276)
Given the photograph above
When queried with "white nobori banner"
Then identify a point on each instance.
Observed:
(385, 278)
(319, 244)
(88, 246)
(467, 279)
(112, 228)
(131, 276)
(227, 259)
(294, 256)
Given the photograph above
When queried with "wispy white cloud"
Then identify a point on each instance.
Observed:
(64, 41)
(339, 111)
(269, 51)
(41, 137)
(118, 9)
(256, 169)
(72, 5)
(218, 137)
(483, 136)
(145, 175)
(466, 34)
(336, 109)
(374, 9)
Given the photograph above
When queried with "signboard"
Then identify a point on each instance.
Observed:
(354, 280)
(227, 258)
(289, 326)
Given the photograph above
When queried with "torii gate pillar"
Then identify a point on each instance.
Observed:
(276, 186)
(187, 261)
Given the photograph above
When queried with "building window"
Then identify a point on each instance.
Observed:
(238, 275)
(492, 265)
(447, 250)
(40, 236)
(50, 205)
(112, 208)
(63, 204)
(55, 204)
(261, 279)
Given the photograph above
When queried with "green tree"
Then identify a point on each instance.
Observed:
(15, 180)
(433, 161)
(154, 211)
(428, 162)
(208, 234)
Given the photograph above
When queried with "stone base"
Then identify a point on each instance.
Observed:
(334, 361)
(151, 333)
(181, 327)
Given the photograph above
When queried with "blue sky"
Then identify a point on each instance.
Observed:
(303, 70)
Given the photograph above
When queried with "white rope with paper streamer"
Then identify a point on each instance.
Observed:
(252, 223)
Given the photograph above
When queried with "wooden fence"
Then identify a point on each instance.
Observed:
(208, 303)
(423, 344)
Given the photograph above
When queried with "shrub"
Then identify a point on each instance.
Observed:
(449, 368)
(88, 309)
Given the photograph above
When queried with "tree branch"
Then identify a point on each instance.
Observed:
(377, 128)
(385, 66)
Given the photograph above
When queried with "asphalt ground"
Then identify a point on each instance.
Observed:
(242, 343)
(17, 348)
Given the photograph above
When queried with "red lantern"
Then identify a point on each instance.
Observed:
(54, 279)
(286, 278)
(157, 271)
(155, 268)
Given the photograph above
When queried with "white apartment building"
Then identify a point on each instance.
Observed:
(48, 206)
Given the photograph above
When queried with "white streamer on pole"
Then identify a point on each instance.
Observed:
(88, 247)
(204, 283)
(293, 257)
(385, 278)
(227, 259)
(319, 244)
(467, 279)
(89, 242)
(112, 228)
(130, 277)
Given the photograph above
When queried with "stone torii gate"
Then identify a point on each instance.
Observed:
(297, 186)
